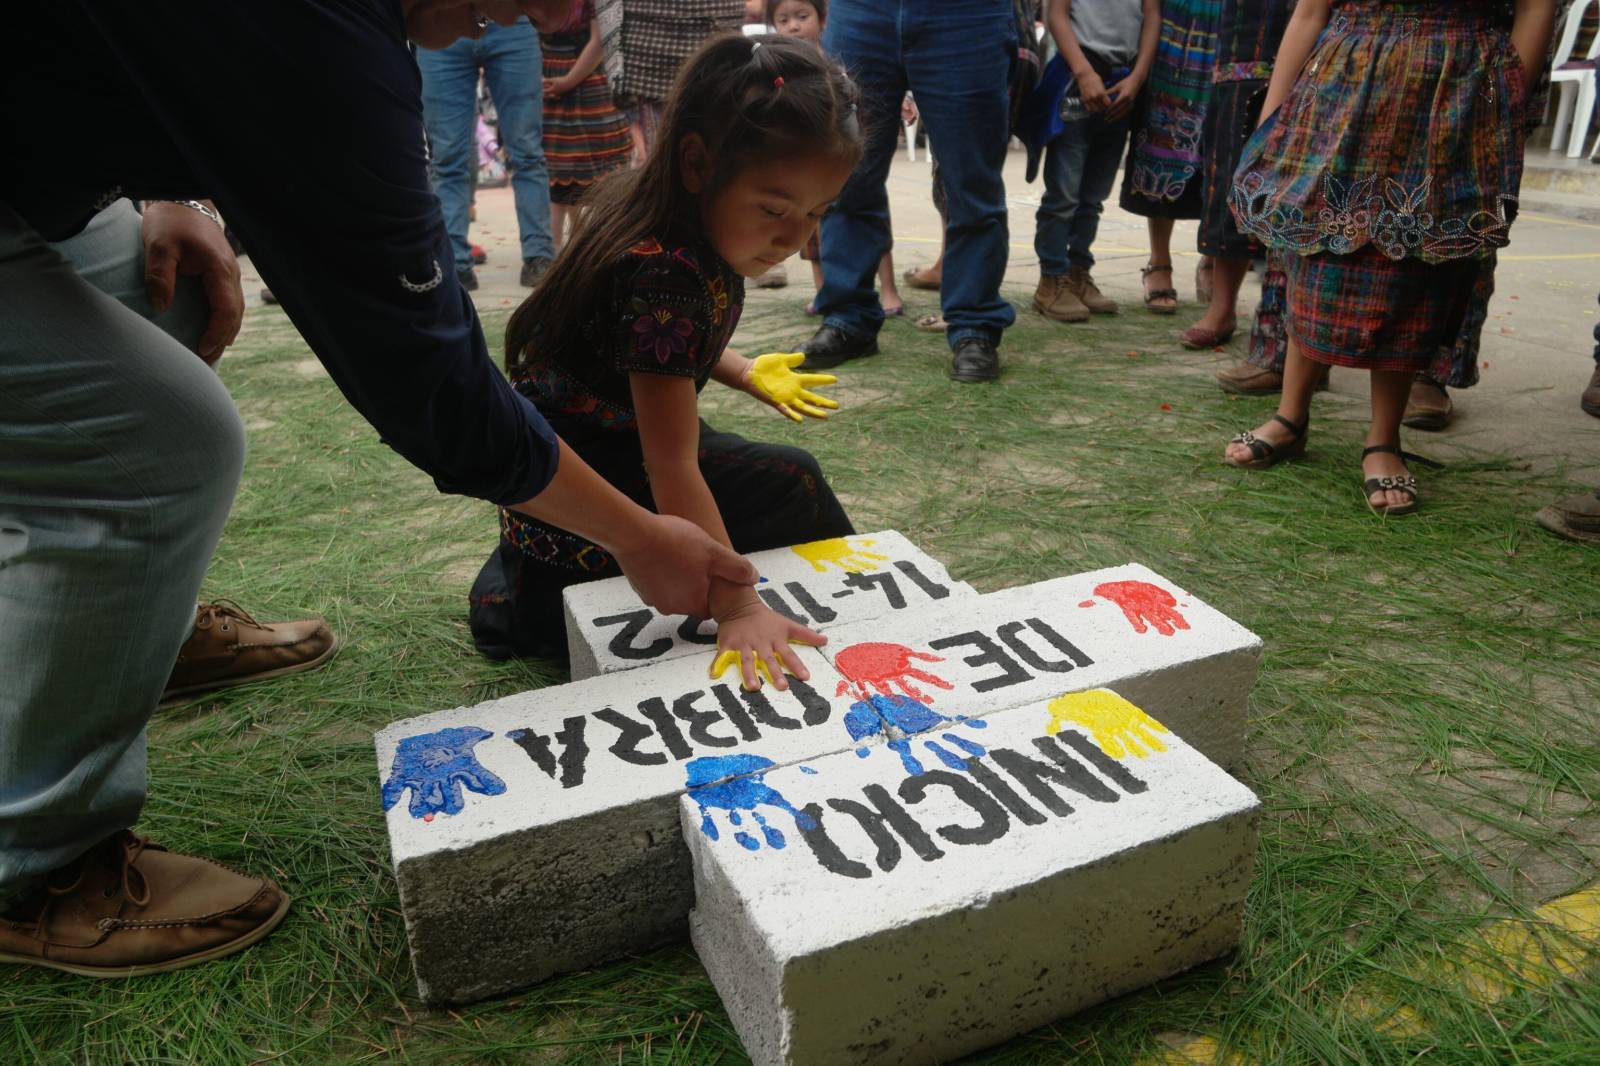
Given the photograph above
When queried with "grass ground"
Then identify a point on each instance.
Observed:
(1422, 736)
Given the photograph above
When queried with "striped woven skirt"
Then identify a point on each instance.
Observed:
(1162, 177)
(585, 136)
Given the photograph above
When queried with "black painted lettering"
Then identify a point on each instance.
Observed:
(1101, 761)
(814, 705)
(1001, 790)
(700, 722)
(574, 750)
(808, 603)
(1064, 771)
(630, 735)
(761, 710)
(900, 820)
(772, 599)
(633, 623)
(989, 652)
(1057, 641)
(886, 582)
(934, 590)
(827, 853)
(655, 709)
(689, 631)
(735, 712)
(994, 822)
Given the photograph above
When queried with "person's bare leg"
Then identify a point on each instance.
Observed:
(558, 224)
(887, 293)
(1160, 256)
(1227, 277)
(1389, 391)
(1299, 382)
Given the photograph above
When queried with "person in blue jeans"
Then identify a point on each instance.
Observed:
(513, 67)
(1108, 46)
(955, 57)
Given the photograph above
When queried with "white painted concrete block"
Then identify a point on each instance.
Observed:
(1125, 628)
(823, 584)
(538, 833)
(911, 917)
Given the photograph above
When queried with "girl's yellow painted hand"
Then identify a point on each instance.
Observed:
(757, 640)
(772, 379)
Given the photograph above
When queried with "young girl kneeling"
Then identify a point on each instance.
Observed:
(634, 317)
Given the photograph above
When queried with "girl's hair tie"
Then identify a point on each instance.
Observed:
(777, 83)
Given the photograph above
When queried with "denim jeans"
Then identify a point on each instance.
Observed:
(119, 455)
(955, 57)
(1080, 168)
(512, 66)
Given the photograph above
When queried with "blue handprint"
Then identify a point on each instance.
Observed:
(735, 784)
(876, 714)
(434, 766)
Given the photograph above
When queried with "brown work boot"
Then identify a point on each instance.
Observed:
(228, 648)
(1244, 378)
(1081, 282)
(1055, 299)
(1590, 400)
(1428, 406)
(130, 907)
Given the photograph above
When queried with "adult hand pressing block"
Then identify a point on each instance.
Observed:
(120, 451)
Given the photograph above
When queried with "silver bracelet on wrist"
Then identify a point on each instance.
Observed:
(194, 205)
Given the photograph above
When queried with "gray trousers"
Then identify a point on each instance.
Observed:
(119, 455)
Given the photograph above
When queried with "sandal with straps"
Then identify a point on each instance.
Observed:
(1152, 295)
(1264, 453)
(1406, 483)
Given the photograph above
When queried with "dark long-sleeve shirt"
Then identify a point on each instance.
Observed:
(302, 120)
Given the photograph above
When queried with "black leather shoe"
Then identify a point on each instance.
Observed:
(830, 346)
(974, 359)
(468, 279)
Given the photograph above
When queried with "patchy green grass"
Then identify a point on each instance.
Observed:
(1423, 734)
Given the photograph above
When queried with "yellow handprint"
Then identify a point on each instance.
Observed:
(772, 378)
(851, 558)
(1119, 728)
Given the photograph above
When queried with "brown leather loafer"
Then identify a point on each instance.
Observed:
(130, 907)
(1429, 405)
(228, 648)
(1246, 379)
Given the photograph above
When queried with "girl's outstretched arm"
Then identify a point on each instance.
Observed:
(1531, 26)
(669, 433)
(1299, 38)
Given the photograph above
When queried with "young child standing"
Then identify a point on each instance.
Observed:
(585, 136)
(805, 19)
(1387, 169)
(634, 317)
(1108, 45)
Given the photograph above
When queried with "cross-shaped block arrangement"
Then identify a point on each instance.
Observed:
(1046, 858)
(823, 584)
(539, 833)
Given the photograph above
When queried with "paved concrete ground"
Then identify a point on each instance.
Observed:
(1536, 348)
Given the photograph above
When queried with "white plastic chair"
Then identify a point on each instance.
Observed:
(1577, 86)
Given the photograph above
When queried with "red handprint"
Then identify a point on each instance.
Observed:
(883, 667)
(1142, 603)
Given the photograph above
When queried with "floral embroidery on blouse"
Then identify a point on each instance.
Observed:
(662, 332)
(718, 290)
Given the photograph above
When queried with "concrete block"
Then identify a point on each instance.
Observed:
(1125, 628)
(538, 833)
(916, 917)
(823, 584)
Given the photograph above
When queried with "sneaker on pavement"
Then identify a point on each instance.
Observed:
(1590, 400)
(479, 255)
(129, 907)
(228, 647)
(1054, 299)
(1081, 282)
(533, 270)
